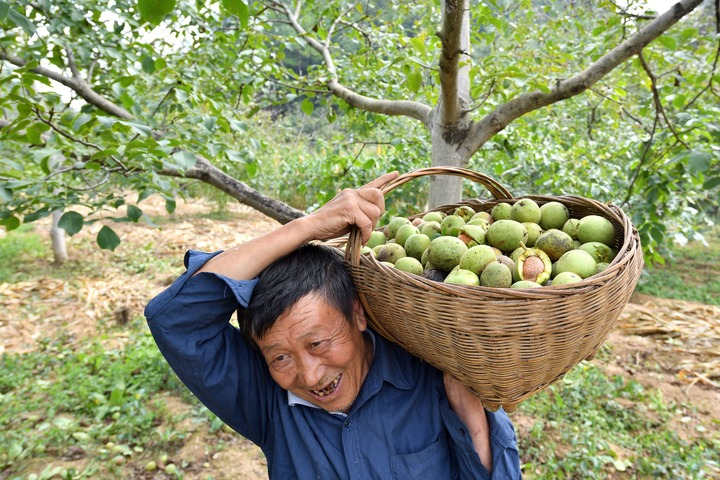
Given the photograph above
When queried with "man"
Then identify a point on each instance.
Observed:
(304, 378)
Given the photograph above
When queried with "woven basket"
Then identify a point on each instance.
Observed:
(504, 344)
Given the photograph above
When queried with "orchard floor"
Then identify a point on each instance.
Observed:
(665, 345)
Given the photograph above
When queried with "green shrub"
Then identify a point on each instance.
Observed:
(19, 247)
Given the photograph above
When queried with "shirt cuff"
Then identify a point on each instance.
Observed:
(240, 290)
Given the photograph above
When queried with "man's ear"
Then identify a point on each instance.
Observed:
(359, 315)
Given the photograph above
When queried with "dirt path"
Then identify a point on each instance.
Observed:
(671, 346)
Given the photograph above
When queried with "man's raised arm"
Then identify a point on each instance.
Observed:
(361, 207)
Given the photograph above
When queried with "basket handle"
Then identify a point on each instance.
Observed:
(352, 251)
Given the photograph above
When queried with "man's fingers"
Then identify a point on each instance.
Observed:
(381, 180)
(374, 197)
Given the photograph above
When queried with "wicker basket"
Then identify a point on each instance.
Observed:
(504, 344)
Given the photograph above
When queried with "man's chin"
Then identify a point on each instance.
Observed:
(341, 409)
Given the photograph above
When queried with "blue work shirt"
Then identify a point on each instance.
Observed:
(400, 426)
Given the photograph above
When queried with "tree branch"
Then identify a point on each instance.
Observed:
(203, 169)
(656, 99)
(642, 160)
(75, 84)
(453, 48)
(407, 108)
(498, 119)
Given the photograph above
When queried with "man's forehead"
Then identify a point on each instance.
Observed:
(303, 322)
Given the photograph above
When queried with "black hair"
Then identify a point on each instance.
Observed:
(311, 269)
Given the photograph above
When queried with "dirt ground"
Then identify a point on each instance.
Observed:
(666, 345)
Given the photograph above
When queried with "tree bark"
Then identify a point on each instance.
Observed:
(204, 171)
(451, 121)
(57, 238)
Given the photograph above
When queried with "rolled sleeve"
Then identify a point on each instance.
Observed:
(190, 322)
(503, 446)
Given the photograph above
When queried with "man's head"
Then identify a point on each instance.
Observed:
(307, 322)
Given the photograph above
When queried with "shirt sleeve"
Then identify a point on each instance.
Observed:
(503, 446)
(190, 322)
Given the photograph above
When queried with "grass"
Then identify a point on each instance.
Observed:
(110, 402)
(691, 272)
(111, 411)
(18, 249)
(591, 425)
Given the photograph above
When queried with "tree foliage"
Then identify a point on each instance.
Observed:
(295, 99)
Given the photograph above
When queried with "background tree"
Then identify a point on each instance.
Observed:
(196, 96)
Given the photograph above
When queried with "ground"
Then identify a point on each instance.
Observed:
(668, 345)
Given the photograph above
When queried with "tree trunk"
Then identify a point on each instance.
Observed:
(445, 189)
(450, 120)
(57, 237)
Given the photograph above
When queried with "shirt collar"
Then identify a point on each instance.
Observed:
(384, 368)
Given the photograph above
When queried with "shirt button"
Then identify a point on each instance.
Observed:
(461, 431)
(347, 423)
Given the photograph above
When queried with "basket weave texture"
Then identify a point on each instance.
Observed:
(504, 344)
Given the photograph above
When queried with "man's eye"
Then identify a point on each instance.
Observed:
(317, 344)
(280, 359)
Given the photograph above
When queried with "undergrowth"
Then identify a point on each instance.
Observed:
(591, 425)
(690, 272)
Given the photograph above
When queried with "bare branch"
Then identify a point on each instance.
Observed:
(484, 99)
(75, 84)
(167, 95)
(203, 170)
(407, 108)
(642, 160)
(72, 64)
(624, 12)
(656, 98)
(498, 119)
(335, 22)
(297, 87)
(453, 48)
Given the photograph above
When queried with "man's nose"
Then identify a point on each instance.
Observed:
(311, 371)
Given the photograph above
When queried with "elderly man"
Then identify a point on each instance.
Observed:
(304, 377)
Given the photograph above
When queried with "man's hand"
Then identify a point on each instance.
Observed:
(362, 207)
(471, 411)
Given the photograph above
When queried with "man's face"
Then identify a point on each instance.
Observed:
(313, 351)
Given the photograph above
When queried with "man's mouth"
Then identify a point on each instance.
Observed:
(329, 389)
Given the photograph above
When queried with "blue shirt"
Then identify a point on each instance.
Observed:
(400, 426)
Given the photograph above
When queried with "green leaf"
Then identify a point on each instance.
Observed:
(153, 11)
(170, 204)
(419, 45)
(148, 65)
(4, 7)
(668, 42)
(238, 8)
(21, 21)
(107, 239)
(307, 106)
(71, 222)
(251, 168)
(711, 183)
(185, 159)
(81, 120)
(699, 161)
(10, 223)
(5, 194)
(134, 213)
(34, 133)
(414, 81)
(138, 128)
